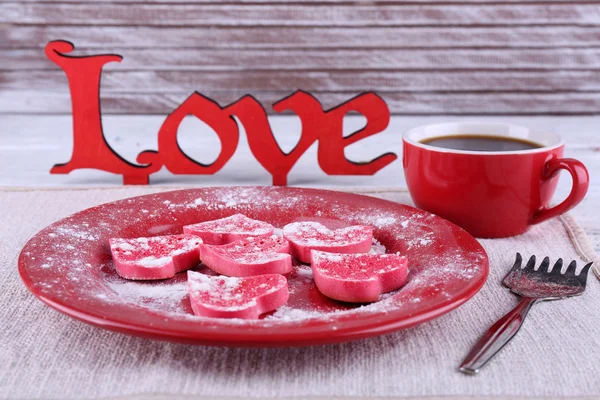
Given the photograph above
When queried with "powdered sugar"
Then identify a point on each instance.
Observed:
(152, 251)
(317, 235)
(228, 229)
(75, 232)
(165, 296)
(377, 248)
(382, 222)
(307, 227)
(333, 257)
(259, 258)
(289, 314)
(304, 271)
(240, 199)
(78, 247)
(127, 246)
(158, 257)
(152, 261)
(217, 289)
(250, 250)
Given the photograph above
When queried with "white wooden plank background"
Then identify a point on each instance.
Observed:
(425, 57)
(324, 59)
(19, 36)
(401, 103)
(343, 81)
(317, 14)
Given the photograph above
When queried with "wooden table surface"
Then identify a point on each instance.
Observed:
(30, 145)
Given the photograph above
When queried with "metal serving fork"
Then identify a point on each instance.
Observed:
(533, 285)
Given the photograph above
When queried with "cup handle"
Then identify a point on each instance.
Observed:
(581, 181)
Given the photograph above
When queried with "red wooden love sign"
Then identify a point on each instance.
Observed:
(90, 149)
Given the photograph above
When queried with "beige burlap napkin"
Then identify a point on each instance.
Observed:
(45, 355)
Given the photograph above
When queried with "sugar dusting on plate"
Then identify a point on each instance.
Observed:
(436, 269)
(164, 296)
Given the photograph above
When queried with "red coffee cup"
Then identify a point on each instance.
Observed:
(490, 193)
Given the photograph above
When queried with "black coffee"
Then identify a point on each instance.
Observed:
(481, 143)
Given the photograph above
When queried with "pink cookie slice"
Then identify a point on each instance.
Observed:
(307, 236)
(249, 256)
(158, 257)
(358, 278)
(227, 297)
(229, 229)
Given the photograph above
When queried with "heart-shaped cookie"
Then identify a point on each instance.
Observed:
(227, 297)
(229, 229)
(249, 256)
(358, 278)
(307, 236)
(158, 257)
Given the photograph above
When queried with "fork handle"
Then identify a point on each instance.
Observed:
(496, 337)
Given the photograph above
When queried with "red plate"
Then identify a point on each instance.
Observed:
(68, 266)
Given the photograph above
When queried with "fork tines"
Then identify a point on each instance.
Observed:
(556, 269)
